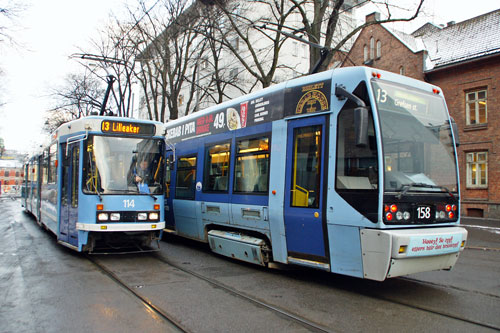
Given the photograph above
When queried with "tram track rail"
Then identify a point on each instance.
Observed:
(431, 310)
(297, 318)
(313, 327)
(320, 328)
(281, 312)
(145, 301)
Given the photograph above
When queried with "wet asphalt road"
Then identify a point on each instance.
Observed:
(45, 287)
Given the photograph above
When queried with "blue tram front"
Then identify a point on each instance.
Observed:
(101, 184)
(350, 171)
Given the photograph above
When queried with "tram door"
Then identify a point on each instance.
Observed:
(69, 194)
(169, 193)
(305, 181)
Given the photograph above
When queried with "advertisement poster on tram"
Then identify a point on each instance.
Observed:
(254, 111)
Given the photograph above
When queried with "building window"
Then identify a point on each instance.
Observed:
(372, 48)
(365, 53)
(235, 43)
(233, 74)
(477, 169)
(379, 49)
(295, 49)
(181, 100)
(402, 70)
(476, 107)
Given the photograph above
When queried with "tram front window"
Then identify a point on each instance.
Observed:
(117, 165)
(419, 153)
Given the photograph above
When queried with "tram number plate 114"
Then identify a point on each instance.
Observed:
(424, 213)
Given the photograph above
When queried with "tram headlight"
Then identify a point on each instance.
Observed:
(102, 216)
(142, 216)
(115, 217)
(154, 216)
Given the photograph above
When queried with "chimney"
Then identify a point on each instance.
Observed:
(375, 16)
(449, 24)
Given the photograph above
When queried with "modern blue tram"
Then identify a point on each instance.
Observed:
(352, 171)
(99, 184)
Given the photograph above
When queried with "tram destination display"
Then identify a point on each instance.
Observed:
(125, 127)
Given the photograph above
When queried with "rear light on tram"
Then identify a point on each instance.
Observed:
(397, 213)
(446, 212)
(157, 206)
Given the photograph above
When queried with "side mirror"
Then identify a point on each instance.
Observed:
(360, 115)
(361, 126)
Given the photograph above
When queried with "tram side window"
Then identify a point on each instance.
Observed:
(45, 167)
(186, 177)
(52, 164)
(252, 166)
(357, 167)
(217, 167)
(167, 177)
(75, 172)
(306, 170)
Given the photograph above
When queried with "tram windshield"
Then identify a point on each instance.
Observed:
(419, 154)
(123, 165)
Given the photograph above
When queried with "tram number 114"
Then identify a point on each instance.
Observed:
(127, 203)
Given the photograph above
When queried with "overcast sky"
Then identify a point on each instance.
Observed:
(49, 31)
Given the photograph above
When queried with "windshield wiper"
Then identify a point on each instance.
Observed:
(406, 187)
(151, 195)
(129, 192)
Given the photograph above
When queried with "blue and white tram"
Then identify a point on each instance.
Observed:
(353, 171)
(99, 184)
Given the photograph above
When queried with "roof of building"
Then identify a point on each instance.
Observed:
(455, 43)
(10, 164)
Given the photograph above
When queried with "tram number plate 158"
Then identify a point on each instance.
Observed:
(424, 213)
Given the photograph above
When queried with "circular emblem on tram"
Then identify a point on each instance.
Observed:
(312, 101)
(199, 186)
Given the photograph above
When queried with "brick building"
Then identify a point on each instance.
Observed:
(464, 60)
(11, 176)
(11, 172)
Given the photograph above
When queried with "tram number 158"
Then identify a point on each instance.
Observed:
(423, 212)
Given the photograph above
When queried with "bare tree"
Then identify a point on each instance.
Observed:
(8, 11)
(214, 49)
(166, 62)
(259, 54)
(81, 95)
(218, 73)
(326, 17)
(112, 61)
(321, 26)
